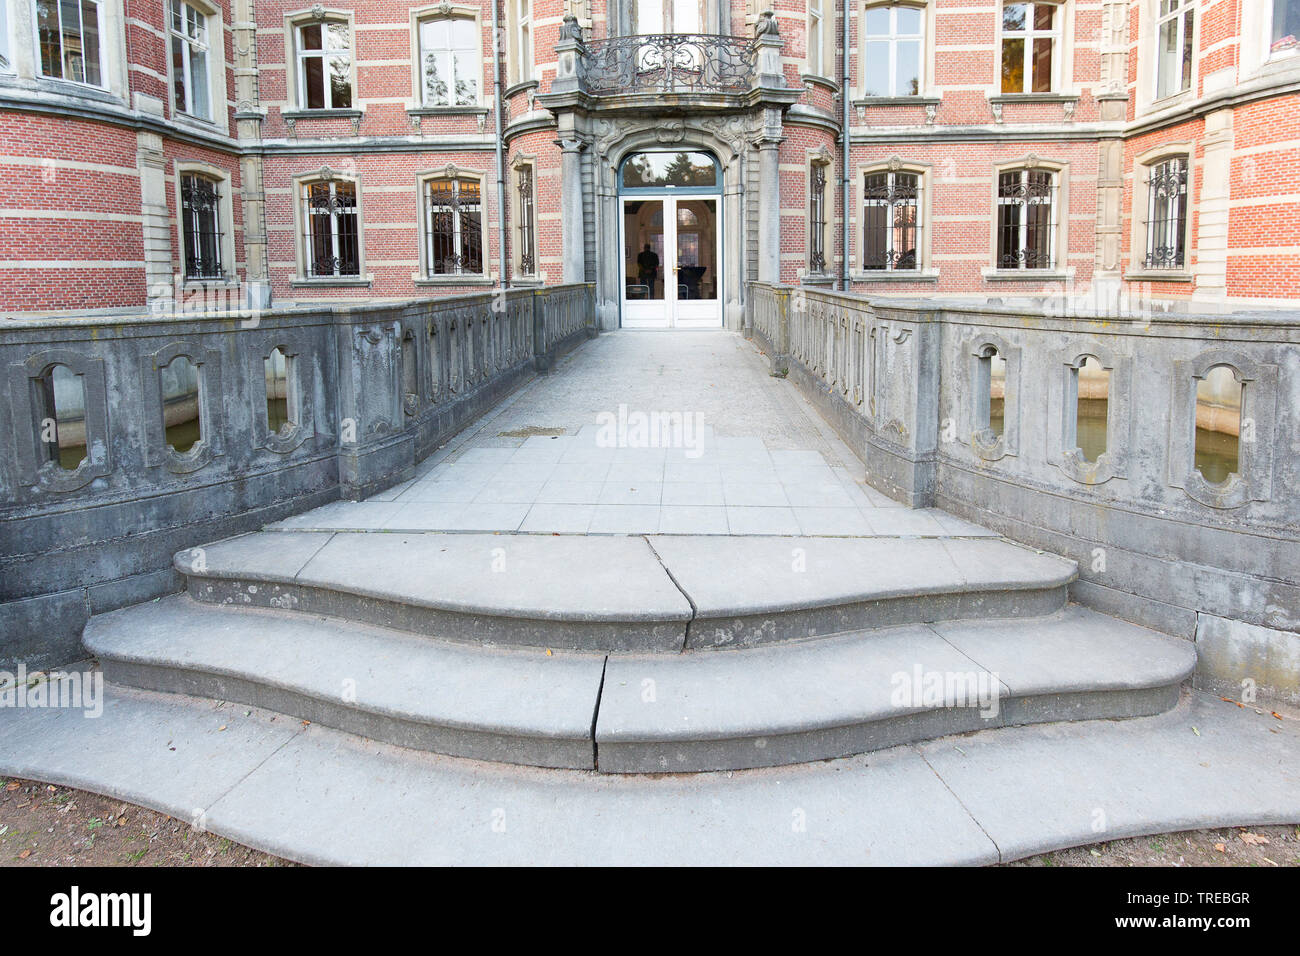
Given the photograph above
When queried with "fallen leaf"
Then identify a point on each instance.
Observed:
(11, 787)
(1253, 839)
(1222, 848)
(1231, 701)
(221, 728)
(1195, 731)
(1277, 715)
(25, 854)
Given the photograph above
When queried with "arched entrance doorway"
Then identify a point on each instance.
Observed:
(671, 234)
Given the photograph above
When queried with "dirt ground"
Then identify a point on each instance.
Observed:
(45, 825)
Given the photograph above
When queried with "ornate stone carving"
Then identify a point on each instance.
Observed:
(766, 25)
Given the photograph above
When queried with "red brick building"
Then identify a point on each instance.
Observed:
(670, 152)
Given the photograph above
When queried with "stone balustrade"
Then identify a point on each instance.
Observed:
(127, 439)
(1183, 509)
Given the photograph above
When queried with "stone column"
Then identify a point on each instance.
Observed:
(1212, 206)
(769, 212)
(248, 122)
(156, 226)
(573, 227)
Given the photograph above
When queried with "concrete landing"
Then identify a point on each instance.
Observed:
(320, 796)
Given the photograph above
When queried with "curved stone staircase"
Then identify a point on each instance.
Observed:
(640, 654)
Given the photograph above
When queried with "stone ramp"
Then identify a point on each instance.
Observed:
(626, 594)
(319, 796)
(783, 703)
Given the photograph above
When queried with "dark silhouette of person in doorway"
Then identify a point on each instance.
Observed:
(647, 267)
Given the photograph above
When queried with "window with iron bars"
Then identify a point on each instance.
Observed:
(1167, 214)
(527, 226)
(331, 234)
(201, 226)
(1026, 219)
(891, 221)
(817, 218)
(453, 226)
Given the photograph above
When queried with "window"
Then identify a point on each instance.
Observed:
(68, 33)
(1286, 25)
(5, 64)
(1026, 222)
(61, 417)
(817, 218)
(1174, 60)
(668, 16)
(1029, 32)
(891, 218)
(893, 50)
(189, 42)
(1167, 214)
(324, 65)
(816, 38)
(332, 241)
(1219, 400)
(201, 226)
(453, 226)
(523, 41)
(527, 224)
(450, 53)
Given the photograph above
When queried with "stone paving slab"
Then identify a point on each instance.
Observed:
(518, 706)
(320, 796)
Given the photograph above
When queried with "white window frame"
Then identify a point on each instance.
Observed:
(296, 90)
(816, 31)
(1288, 51)
(6, 58)
(918, 203)
(1057, 35)
(1180, 10)
(522, 54)
(100, 21)
(188, 45)
(893, 39)
(448, 15)
(1180, 209)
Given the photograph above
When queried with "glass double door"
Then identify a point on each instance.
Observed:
(671, 263)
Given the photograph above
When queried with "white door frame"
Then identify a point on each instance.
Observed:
(671, 312)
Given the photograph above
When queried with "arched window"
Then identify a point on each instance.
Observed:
(324, 70)
(451, 66)
(1166, 219)
(893, 50)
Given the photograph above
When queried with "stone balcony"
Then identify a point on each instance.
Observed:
(668, 72)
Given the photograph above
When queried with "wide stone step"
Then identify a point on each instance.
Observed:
(696, 711)
(515, 706)
(627, 593)
(852, 694)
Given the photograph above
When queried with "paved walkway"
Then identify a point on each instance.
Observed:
(645, 433)
(320, 796)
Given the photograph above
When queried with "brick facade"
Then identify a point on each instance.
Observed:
(90, 196)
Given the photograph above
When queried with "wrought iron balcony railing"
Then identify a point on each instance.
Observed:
(669, 63)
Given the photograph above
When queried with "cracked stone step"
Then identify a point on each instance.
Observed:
(507, 705)
(627, 594)
(751, 590)
(800, 702)
(607, 593)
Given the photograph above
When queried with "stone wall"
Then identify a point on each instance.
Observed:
(913, 386)
(368, 392)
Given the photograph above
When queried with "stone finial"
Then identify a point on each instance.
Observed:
(570, 29)
(766, 25)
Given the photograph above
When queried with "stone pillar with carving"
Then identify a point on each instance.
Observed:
(573, 224)
(769, 197)
(249, 115)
